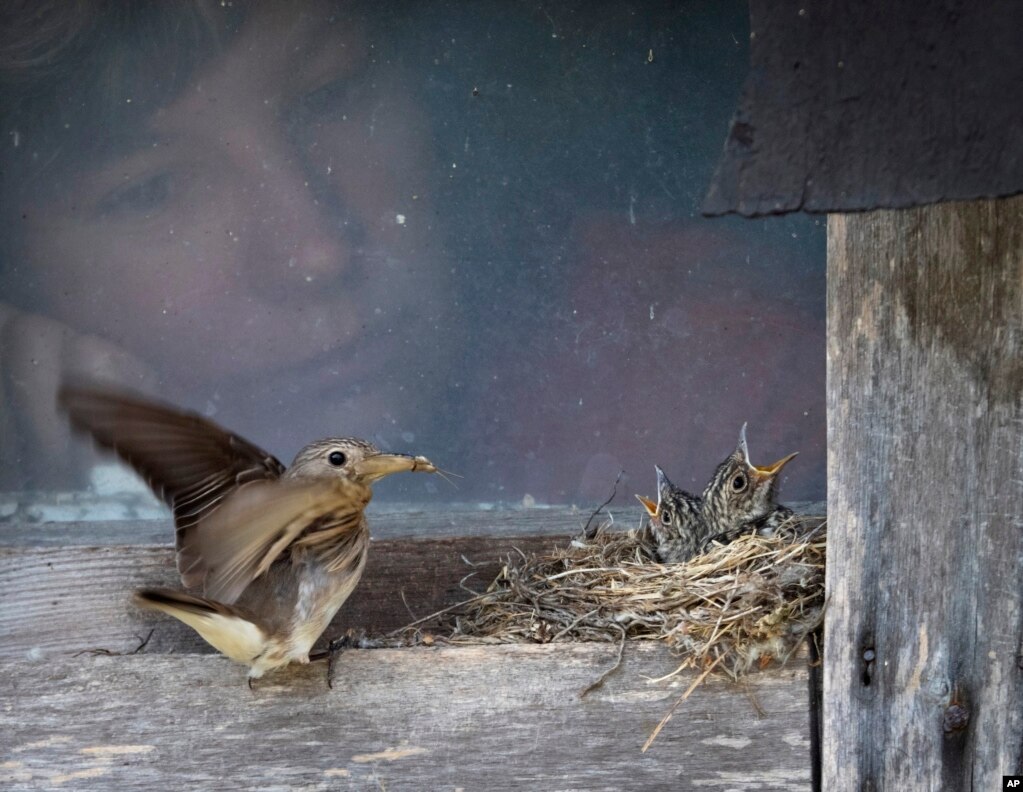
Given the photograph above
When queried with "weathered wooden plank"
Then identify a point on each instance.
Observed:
(495, 718)
(72, 598)
(869, 104)
(387, 522)
(925, 473)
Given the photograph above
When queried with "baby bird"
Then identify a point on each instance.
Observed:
(675, 521)
(275, 550)
(741, 496)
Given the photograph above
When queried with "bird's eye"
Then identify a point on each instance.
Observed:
(666, 517)
(739, 483)
(336, 458)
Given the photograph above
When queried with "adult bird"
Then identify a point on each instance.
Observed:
(275, 551)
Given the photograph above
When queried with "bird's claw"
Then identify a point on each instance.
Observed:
(336, 648)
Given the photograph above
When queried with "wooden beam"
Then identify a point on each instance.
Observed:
(67, 599)
(494, 718)
(387, 521)
(923, 664)
(73, 596)
(503, 717)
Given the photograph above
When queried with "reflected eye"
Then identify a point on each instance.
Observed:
(336, 458)
(328, 101)
(739, 483)
(142, 195)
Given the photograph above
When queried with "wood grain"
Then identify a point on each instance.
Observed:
(841, 111)
(68, 599)
(925, 472)
(494, 718)
(386, 522)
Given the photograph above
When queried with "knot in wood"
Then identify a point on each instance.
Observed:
(955, 719)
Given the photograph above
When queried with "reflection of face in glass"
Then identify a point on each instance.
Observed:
(305, 220)
(270, 227)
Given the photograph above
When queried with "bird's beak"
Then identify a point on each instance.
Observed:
(664, 485)
(380, 465)
(770, 471)
(743, 448)
(648, 504)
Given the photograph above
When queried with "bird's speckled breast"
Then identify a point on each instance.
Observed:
(320, 596)
(321, 593)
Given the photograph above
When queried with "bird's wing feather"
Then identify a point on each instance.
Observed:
(239, 541)
(187, 460)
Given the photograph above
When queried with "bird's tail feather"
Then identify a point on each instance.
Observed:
(221, 626)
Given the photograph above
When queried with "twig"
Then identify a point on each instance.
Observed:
(685, 664)
(753, 699)
(601, 679)
(409, 609)
(614, 491)
(143, 642)
(580, 571)
(463, 587)
(696, 683)
(573, 624)
(448, 609)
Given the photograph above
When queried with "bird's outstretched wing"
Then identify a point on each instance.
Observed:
(187, 460)
(239, 541)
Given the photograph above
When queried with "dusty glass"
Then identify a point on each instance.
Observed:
(469, 231)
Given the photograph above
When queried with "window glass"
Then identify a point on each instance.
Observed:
(464, 230)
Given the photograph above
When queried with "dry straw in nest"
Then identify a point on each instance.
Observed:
(739, 606)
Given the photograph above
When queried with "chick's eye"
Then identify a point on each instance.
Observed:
(666, 518)
(739, 483)
(336, 458)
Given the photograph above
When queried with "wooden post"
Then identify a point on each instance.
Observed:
(923, 663)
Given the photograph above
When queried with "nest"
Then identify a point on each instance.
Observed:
(740, 606)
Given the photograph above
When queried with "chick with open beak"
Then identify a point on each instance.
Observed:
(741, 496)
(676, 523)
